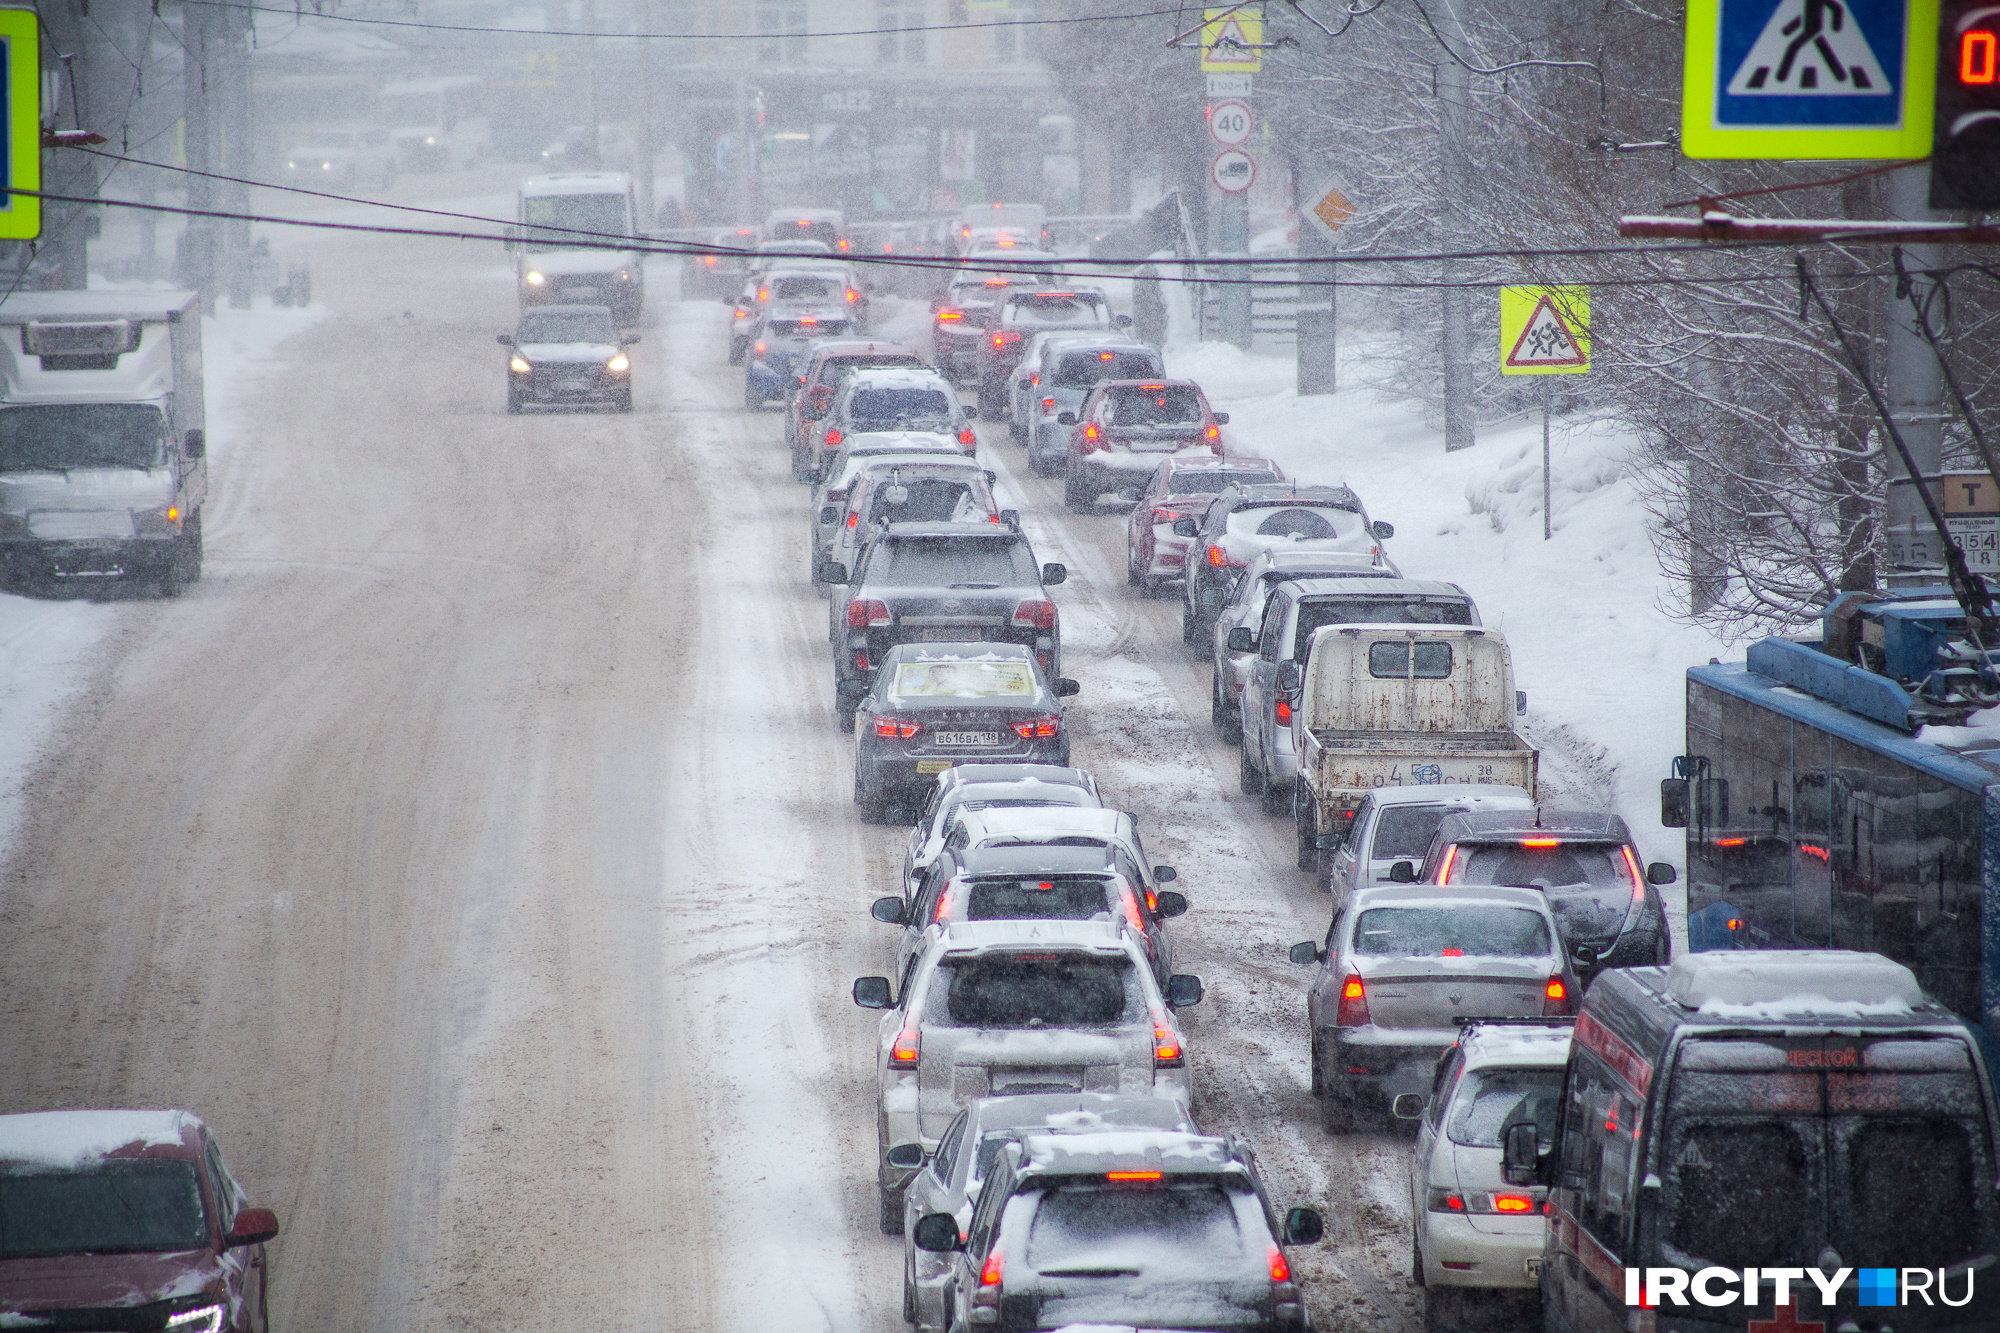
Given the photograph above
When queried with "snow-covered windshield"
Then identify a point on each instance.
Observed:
(1183, 1231)
(572, 219)
(1600, 866)
(1038, 898)
(59, 436)
(881, 409)
(566, 326)
(1051, 990)
(965, 680)
(127, 1205)
(924, 500)
(1051, 311)
(955, 562)
(1489, 1100)
(1451, 932)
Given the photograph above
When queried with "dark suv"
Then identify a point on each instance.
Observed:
(942, 583)
(1152, 1229)
(1584, 862)
(1229, 536)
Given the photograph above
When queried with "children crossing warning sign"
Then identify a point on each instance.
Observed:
(1232, 39)
(1544, 330)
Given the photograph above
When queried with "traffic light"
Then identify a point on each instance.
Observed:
(1965, 154)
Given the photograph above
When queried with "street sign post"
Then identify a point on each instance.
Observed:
(1230, 124)
(1545, 331)
(21, 135)
(1328, 209)
(1232, 39)
(1809, 78)
(1233, 170)
(1322, 212)
(1971, 505)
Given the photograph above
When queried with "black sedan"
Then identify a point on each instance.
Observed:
(570, 356)
(935, 705)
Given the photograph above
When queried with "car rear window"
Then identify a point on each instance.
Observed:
(1166, 405)
(1598, 865)
(1080, 370)
(1399, 659)
(965, 680)
(1185, 1231)
(1317, 613)
(1489, 1100)
(1449, 932)
(1038, 898)
(877, 409)
(550, 326)
(785, 287)
(925, 500)
(126, 1205)
(1305, 522)
(1212, 481)
(1406, 830)
(1047, 990)
(957, 562)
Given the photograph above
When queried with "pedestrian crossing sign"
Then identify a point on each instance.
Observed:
(1809, 79)
(1232, 39)
(21, 135)
(1545, 330)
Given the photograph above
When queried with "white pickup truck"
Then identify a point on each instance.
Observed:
(1398, 705)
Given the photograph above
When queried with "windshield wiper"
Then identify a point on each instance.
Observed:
(986, 586)
(1088, 1272)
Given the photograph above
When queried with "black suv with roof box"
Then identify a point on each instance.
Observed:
(942, 583)
(1778, 1110)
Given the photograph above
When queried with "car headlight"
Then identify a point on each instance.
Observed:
(206, 1319)
(291, 166)
(535, 279)
(519, 365)
(430, 143)
(618, 364)
(161, 519)
(624, 275)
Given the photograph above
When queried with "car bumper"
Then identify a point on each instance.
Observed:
(587, 386)
(1500, 1251)
(886, 770)
(1169, 553)
(1385, 1064)
(89, 557)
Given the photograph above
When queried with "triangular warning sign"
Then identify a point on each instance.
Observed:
(1229, 45)
(1546, 340)
(1691, 1156)
(1810, 48)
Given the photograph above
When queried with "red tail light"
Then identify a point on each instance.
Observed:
(1353, 1012)
(1038, 728)
(854, 519)
(763, 293)
(950, 316)
(1214, 432)
(1444, 866)
(989, 1276)
(1048, 404)
(760, 349)
(897, 728)
(1002, 339)
(967, 438)
(1217, 557)
(834, 437)
(1280, 1270)
(852, 296)
(1035, 613)
(743, 314)
(1166, 1045)
(1638, 878)
(1281, 712)
(710, 261)
(861, 659)
(1513, 1203)
(1164, 516)
(864, 612)
(1132, 917)
(909, 1046)
(1555, 998)
(1134, 1177)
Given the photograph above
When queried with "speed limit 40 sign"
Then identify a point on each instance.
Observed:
(1231, 123)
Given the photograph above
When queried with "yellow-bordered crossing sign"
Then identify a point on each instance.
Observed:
(21, 136)
(1545, 330)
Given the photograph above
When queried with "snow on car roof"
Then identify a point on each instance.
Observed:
(1514, 1045)
(1031, 822)
(897, 377)
(902, 442)
(1773, 983)
(1130, 1149)
(577, 182)
(71, 1138)
(970, 939)
(1459, 895)
(1080, 1112)
(1364, 586)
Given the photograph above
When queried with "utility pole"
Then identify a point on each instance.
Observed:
(233, 102)
(649, 88)
(591, 109)
(194, 265)
(1914, 383)
(740, 158)
(1455, 343)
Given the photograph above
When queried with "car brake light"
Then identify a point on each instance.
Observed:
(1444, 1201)
(1134, 1175)
(852, 296)
(1638, 879)
(1038, 728)
(710, 261)
(1216, 556)
(763, 293)
(743, 314)
(989, 1276)
(809, 321)
(1048, 404)
(854, 519)
(861, 659)
(1541, 842)
(1166, 1045)
(1105, 356)
(1444, 866)
(1513, 1203)
(1035, 613)
(1353, 1011)
(1164, 515)
(864, 612)
(909, 1046)
(996, 282)
(1731, 842)
(1451, 953)
(760, 349)
(1214, 432)
(1132, 917)
(1281, 712)
(967, 438)
(1280, 1270)
(896, 728)
(950, 316)
(1555, 998)
(833, 436)
(1003, 338)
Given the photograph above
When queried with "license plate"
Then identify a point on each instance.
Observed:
(581, 293)
(933, 765)
(951, 634)
(1533, 1268)
(967, 738)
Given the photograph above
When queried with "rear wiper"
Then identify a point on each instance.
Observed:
(1088, 1272)
(972, 585)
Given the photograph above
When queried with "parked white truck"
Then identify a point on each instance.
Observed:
(1398, 705)
(102, 463)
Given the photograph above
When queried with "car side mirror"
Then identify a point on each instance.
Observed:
(1169, 904)
(253, 1226)
(1241, 640)
(969, 412)
(1290, 677)
(1659, 872)
(1054, 573)
(1382, 531)
(906, 1157)
(194, 444)
(1521, 1156)
(889, 911)
(1305, 953)
(1403, 872)
(1330, 842)
(1408, 1106)
(1221, 418)
(832, 571)
(937, 1233)
(872, 992)
(505, 340)
(1304, 1226)
(829, 514)
(1184, 527)
(1130, 493)
(1165, 874)
(1183, 991)
(992, 478)
(1010, 518)
(1121, 321)
(1520, 701)
(1066, 688)
(1584, 955)
(1673, 802)
(1065, 418)
(628, 340)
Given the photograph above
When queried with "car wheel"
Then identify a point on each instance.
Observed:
(624, 403)
(192, 539)
(868, 802)
(891, 1219)
(1416, 1260)
(513, 403)
(1305, 822)
(1248, 780)
(1318, 1064)
(736, 351)
(1336, 1108)
(1187, 614)
(843, 713)
(909, 1295)
(1276, 798)
(1223, 716)
(1076, 496)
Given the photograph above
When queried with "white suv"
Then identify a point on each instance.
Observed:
(1477, 1242)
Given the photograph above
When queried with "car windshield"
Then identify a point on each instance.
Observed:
(1211, 480)
(801, 287)
(925, 500)
(956, 562)
(880, 409)
(1184, 1231)
(1004, 679)
(1050, 311)
(1298, 522)
(60, 436)
(578, 219)
(1156, 405)
(566, 326)
(1080, 370)
(1599, 866)
(1038, 898)
(1318, 614)
(1489, 1100)
(1048, 990)
(120, 1205)
(1451, 932)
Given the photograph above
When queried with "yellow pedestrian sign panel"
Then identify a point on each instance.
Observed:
(21, 135)
(1232, 39)
(1813, 79)
(1544, 330)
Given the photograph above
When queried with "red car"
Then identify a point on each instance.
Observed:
(1126, 427)
(1181, 487)
(126, 1220)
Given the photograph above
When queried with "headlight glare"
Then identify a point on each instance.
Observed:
(519, 365)
(207, 1319)
(618, 364)
(535, 279)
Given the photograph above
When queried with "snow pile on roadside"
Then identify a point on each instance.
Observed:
(1585, 612)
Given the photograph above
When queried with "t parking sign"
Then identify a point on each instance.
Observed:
(21, 134)
(1809, 78)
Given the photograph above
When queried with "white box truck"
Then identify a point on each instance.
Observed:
(102, 463)
(565, 223)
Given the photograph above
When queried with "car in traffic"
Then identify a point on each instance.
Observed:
(1141, 1229)
(951, 1177)
(1181, 486)
(1397, 824)
(937, 583)
(972, 787)
(1243, 605)
(959, 316)
(568, 356)
(831, 362)
(1125, 428)
(795, 284)
(1293, 613)
(780, 344)
(934, 704)
(825, 226)
(339, 157)
(857, 456)
(1243, 521)
(127, 1220)
(998, 1008)
(1401, 968)
(1476, 1240)
(718, 265)
(1057, 373)
(924, 488)
(1018, 317)
(1584, 862)
(890, 398)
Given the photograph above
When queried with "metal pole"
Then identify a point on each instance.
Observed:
(1454, 317)
(741, 161)
(233, 96)
(1316, 305)
(591, 107)
(196, 266)
(1548, 400)
(1913, 384)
